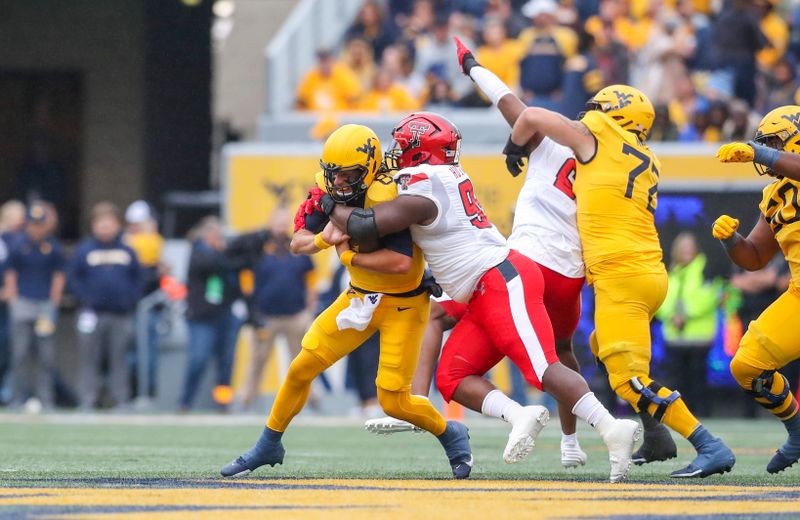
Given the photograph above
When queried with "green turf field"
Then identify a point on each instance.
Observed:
(163, 452)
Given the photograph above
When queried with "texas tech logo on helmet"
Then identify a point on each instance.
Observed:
(416, 130)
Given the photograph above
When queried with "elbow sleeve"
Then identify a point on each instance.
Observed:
(362, 228)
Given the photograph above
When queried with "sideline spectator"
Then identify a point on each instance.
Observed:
(105, 276)
(34, 284)
(212, 314)
(283, 302)
(141, 234)
(689, 315)
(781, 84)
(775, 29)
(12, 223)
(328, 86)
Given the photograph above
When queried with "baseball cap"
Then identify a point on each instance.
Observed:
(36, 213)
(534, 8)
(138, 212)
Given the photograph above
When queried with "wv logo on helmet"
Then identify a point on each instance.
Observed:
(794, 119)
(367, 148)
(623, 98)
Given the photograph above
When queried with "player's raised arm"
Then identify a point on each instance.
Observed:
(751, 253)
(509, 105)
(566, 132)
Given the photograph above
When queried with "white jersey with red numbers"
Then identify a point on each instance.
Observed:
(460, 245)
(545, 227)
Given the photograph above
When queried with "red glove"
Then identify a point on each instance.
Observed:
(465, 57)
(307, 207)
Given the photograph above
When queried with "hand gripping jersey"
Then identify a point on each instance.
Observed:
(780, 207)
(383, 189)
(616, 192)
(544, 228)
(460, 245)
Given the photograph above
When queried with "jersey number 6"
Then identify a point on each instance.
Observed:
(642, 167)
(471, 205)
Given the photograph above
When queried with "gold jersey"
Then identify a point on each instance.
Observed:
(780, 207)
(616, 192)
(384, 189)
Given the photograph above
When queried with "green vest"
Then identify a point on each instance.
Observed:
(694, 299)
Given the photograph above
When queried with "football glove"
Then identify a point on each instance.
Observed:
(308, 207)
(465, 58)
(515, 157)
(735, 152)
(725, 227)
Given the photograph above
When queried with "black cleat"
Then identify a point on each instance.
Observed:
(251, 461)
(780, 462)
(657, 446)
(712, 458)
(455, 441)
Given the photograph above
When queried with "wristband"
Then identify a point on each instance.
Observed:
(731, 241)
(764, 155)
(347, 258)
(320, 242)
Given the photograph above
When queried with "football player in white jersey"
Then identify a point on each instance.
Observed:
(472, 262)
(544, 230)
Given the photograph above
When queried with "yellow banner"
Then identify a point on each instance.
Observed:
(255, 182)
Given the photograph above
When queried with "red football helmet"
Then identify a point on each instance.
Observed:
(423, 137)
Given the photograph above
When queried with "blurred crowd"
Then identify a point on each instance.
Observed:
(711, 67)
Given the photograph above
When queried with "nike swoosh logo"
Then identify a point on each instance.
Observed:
(401, 309)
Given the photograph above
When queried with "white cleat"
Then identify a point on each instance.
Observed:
(389, 425)
(572, 455)
(620, 440)
(524, 431)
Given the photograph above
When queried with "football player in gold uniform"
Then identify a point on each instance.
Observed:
(616, 190)
(387, 294)
(771, 340)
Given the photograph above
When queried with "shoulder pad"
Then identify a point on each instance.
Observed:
(319, 180)
(380, 192)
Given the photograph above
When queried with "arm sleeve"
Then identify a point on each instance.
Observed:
(399, 242)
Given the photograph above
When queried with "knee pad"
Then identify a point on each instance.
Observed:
(648, 394)
(762, 387)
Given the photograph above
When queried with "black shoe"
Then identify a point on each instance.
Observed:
(657, 446)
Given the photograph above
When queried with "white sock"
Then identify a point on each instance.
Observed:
(571, 438)
(593, 412)
(497, 404)
(489, 83)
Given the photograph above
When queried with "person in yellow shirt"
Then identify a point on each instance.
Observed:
(771, 341)
(388, 294)
(499, 53)
(616, 190)
(330, 85)
(387, 96)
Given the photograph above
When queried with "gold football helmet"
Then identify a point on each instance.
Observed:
(352, 150)
(628, 106)
(780, 129)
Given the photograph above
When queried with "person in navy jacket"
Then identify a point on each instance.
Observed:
(34, 282)
(105, 275)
